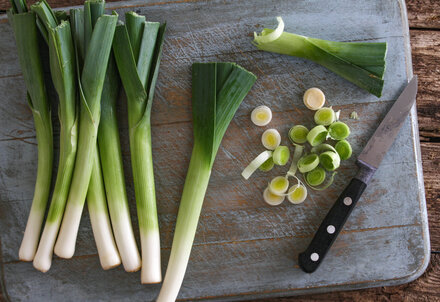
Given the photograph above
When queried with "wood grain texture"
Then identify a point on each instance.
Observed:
(425, 289)
(424, 14)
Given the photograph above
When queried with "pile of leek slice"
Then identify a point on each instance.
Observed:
(317, 155)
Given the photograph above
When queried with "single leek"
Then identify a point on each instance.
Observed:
(360, 63)
(138, 49)
(26, 36)
(63, 71)
(90, 87)
(218, 89)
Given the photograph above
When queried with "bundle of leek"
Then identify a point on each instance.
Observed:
(63, 71)
(26, 37)
(98, 35)
(138, 48)
(218, 89)
(360, 63)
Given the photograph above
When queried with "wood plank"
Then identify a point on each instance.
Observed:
(424, 13)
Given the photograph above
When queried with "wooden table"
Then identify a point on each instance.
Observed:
(424, 20)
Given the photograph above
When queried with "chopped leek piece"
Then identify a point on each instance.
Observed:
(279, 185)
(267, 165)
(256, 163)
(339, 130)
(316, 176)
(330, 160)
(297, 194)
(322, 148)
(360, 63)
(344, 149)
(271, 198)
(271, 139)
(308, 163)
(261, 116)
(314, 98)
(298, 134)
(354, 115)
(296, 156)
(317, 135)
(281, 155)
(324, 186)
(218, 89)
(325, 116)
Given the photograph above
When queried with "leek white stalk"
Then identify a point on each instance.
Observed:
(218, 89)
(90, 85)
(63, 71)
(102, 230)
(26, 36)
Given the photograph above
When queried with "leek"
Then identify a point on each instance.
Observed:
(138, 48)
(26, 36)
(261, 116)
(90, 87)
(63, 71)
(218, 89)
(360, 63)
(271, 139)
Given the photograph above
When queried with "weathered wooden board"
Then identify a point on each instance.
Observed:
(243, 248)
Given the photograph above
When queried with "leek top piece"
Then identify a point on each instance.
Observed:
(360, 63)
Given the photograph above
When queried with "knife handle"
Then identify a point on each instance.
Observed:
(329, 229)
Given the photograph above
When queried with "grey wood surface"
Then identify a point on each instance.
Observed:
(243, 248)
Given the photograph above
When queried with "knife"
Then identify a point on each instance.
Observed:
(368, 162)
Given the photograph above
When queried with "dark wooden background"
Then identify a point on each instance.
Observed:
(424, 21)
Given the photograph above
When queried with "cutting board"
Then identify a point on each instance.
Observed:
(244, 249)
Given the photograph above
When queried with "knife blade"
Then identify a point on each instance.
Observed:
(368, 162)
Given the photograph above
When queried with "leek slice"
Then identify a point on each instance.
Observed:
(317, 135)
(330, 160)
(218, 89)
(339, 131)
(322, 148)
(298, 134)
(297, 194)
(316, 176)
(281, 155)
(325, 116)
(360, 63)
(271, 198)
(296, 156)
(344, 149)
(267, 165)
(261, 116)
(256, 163)
(279, 185)
(308, 163)
(26, 37)
(314, 98)
(324, 186)
(271, 139)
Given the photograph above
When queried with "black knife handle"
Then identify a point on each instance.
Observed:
(329, 229)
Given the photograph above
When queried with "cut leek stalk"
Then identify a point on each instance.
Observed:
(271, 139)
(360, 63)
(271, 198)
(256, 163)
(322, 148)
(308, 163)
(330, 160)
(316, 176)
(325, 116)
(267, 165)
(279, 185)
(261, 116)
(344, 149)
(298, 134)
(339, 131)
(297, 194)
(314, 98)
(63, 71)
(317, 135)
(281, 155)
(218, 89)
(26, 36)
(90, 87)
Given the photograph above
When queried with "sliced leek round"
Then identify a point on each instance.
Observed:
(317, 135)
(330, 160)
(314, 98)
(339, 130)
(344, 149)
(298, 134)
(316, 176)
(261, 115)
(256, 163)
(297, 194)
(325, 116)
(308, 163)
(279, 185)
(271, 198)
(281, 155)
(271, 139)
(267, 165)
